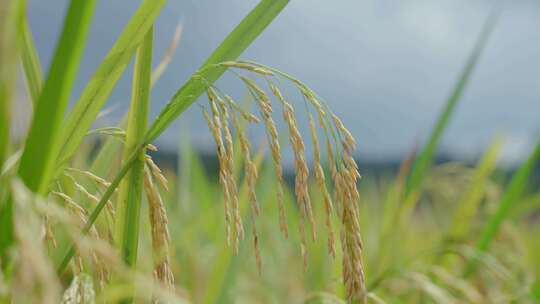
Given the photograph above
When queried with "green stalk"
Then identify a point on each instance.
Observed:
(130, 191)
(37, 161)
(513, 192)
(425, 158)
(233, 45)
(30, 61)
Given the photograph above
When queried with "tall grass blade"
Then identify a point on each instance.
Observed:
(513, 192)
(233, 45)
(130, 191)
(104, 79)
(425, 158)
(30, 61)
(468, 205)
(10, 12)
(37, 161)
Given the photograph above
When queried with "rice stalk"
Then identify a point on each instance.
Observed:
(127, 221)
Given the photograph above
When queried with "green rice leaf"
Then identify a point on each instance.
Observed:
(513, 192)
(107, 74)
(37, 160)
(10, 12)
(425, 158)
(467, 207)
(30, 62)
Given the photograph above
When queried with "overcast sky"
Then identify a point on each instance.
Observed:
(386, 67)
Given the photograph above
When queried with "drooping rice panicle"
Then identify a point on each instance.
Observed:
(219, 108)
(250, 172)
(245, 114)
(350, 142)
(94, 199)
(71, 203)
(353, 267)
(250, 169)
(302, 171)
(215, 129)
(266, 109)
(99, 180)
(321, 182)
(160, 233)
(81, 214)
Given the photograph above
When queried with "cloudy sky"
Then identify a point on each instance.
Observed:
(386, 67)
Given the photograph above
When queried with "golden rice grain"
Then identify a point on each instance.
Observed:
(250, 172)
(215, 128)
(302, 172)
(160, 232)
(94, 199)
(320, 179)
(266, 109)
(156, 172)
(71, 203)
(99, 180)
(223, 113)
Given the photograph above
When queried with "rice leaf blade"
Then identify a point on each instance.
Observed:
(512, 194)
(37, 160)
(425, 158)
(30, 61)
(104, 79)
(467, 207)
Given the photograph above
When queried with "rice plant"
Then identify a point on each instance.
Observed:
(87, 222)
